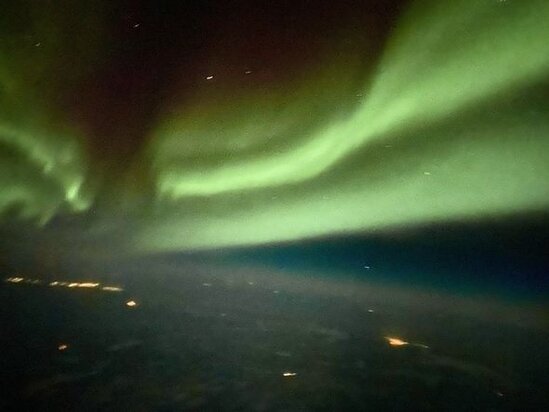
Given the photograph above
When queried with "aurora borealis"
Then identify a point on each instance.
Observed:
(237, 133)
(312, 205)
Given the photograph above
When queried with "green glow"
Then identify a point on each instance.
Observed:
(435, 137)
(451, 122)
(441, 60)
(42, 162)
(40, 170)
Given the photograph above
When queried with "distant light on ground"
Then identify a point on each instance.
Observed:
(399, 342)
(396, 341)
(289, 374)
(15, 280)
(112, 289)
(63, 347)
(131, 303)
(72, 285)
(82, 285)
(88, 285)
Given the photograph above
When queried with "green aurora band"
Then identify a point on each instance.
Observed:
(43, 165)
(433, 138)
(452, 123)
(442, 60)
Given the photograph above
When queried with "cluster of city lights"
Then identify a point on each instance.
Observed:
(85, 285)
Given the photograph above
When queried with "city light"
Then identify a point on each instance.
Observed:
(71, 285)
(396, 341)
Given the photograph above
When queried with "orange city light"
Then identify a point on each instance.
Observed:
(396, 341)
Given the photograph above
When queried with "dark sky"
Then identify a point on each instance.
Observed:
(152, 52)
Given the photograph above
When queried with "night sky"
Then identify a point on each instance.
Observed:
(392, 140)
